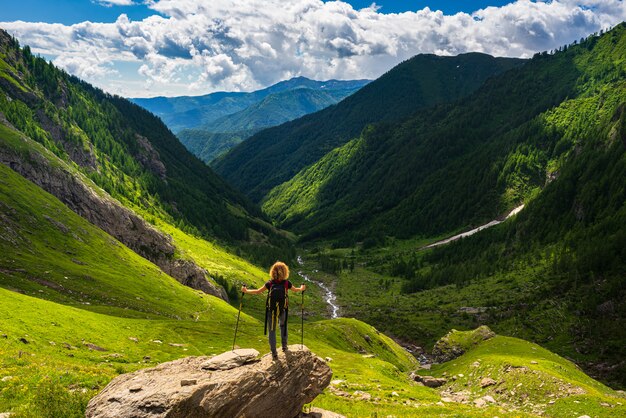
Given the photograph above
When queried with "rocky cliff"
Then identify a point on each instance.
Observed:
(42, 168)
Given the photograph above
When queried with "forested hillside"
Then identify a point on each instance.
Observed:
(463, 164)
(550, 134)
(122, 148)
(274, 155)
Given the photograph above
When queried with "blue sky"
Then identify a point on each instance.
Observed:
(74, 11)
(144, 48)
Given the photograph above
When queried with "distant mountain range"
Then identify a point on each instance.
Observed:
(304, 96)
(210, 125)
(196, 111)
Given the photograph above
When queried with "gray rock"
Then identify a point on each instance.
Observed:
(93, 347)
(480, 402)
(487, 381)
(231, 359)
(320, 413)
(149, 157)
(430, 381)
(364, 396)
(265, 388)
(109, 215)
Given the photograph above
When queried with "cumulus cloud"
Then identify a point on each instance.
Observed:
(210, 45)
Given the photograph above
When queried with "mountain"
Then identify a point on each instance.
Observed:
(187, 112)
(209, 145)
(120, 165)
(104, 263)
(218, 136)
(451, 167)
(550, 134)
(278, 108)
(274, 155)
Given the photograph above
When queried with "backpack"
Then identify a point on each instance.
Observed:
(277, 302)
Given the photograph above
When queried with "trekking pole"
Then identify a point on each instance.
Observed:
(238, 315)
(302, 336)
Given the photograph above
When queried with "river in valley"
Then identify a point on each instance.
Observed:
(329, 297)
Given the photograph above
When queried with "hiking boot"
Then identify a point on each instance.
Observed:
(274, 355)
(285, 348)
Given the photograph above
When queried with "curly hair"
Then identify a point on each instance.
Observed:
(279, 271)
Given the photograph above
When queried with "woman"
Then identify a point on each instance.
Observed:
(277, 303)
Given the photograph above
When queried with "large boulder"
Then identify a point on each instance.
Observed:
(248, 388)
(430, 381)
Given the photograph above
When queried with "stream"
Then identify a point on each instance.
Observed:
(329, 297)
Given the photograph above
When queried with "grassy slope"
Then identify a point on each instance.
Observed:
(46, 378)
(297, 199)
(57, 271)
(55, 372)
(529, 378)
(214, 258)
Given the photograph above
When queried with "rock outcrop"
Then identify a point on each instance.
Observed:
(149, 157)
(106, 213)
(455, 343)
(185, 388)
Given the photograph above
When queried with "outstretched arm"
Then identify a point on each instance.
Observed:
(299, 289)
(261, 289)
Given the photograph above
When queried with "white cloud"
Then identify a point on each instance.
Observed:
(109, 3)
(206, 45)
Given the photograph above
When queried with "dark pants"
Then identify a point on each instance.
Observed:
(271, 326)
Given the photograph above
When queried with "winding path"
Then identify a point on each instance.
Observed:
(329, 296)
